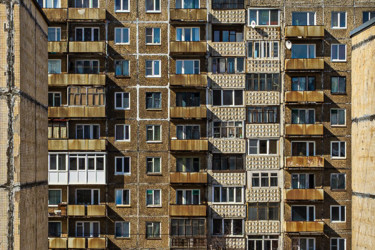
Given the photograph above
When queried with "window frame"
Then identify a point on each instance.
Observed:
(308, 215)
(121, 61)
(83, 33)
(122, 197)
(184, 195)
(55, 189)
(55, 95)
(337, 176)
(370, 13)
(76, 62)
(55, 60)
(340, 215)
(270, 176)
(337, 125)
(339, 150)
(184, 126)
(268, 146)
(231, 227)
(338, 82)
(122, 34)
(233, 97)
(257, 17)
(307, 242)
(267, 206)
(53, 7)
(153, 165)
(122, 7)
(227, 194)
(338, 13)
(308, 153)
(57, 33)
(217, 60)
(122, 229)
(123, 165)
(307, 51)
(299, 180)
(338, 245)
(183, 66)
(228, 127)
(124, 130)
(183, 33)
(153, 35)
(263, 50)
(153, 198)
(307, 115)
(58, 222)
(153, 133)
(91, 126)
(90, 4)
(92, 191)
(83, 228)
(155, 7)
(122, 100)
(153, 223)
(307, 17)
(153, 75)
(338, 52)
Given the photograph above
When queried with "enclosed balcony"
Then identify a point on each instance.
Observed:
(87, 14)
(57, 243)
(87, 47)
(77, 145)
(189, 145)
(193, 80)
(62, 80)
(87, 210)
(188, 210)
(304, 162)
(57, 47)
(304, 129)
(189, 112)
(304, 64)
(187, 48)
(76, 111)
(304, 31)
(304, 96)
(189, 15)
(304, 226)
(304, 194)
(188, 178)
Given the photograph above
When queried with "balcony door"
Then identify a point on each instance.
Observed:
(87, 229)
(87, 196)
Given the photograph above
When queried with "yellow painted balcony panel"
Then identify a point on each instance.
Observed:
(96, 243)
(58, 15)
(304, 64)
(193, 80)
(188, 177)
(304, 31)
(57, 243)
(304, 194)
(188, 210)
(76, 210)
(304, 226)
(61, 80)
(76, 111)
(304, 161)
(304, 129)
(189, 145)
(87, 47)
(188, 48)
(76, 243)
(57, 47)
(77, 144)
(191, 15)
(87, 14)
(304, 96)
(189, 112)
(96, 210)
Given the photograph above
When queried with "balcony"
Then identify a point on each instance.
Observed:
(190, 15)
(57, 47)
(228, 49)
(90, 14)
(87, 47)
(56, 15)
(189, 242)
(304, 31)
(189, 112)
(59, 211)
(188, 210)
(228, 16)
(304, 226)
(304, 194)
(188, 177)
(57, 243)
(87, 210)
(96, 243)
(304, 162)
(76, 111)
(63, 80)
(189, 80)
(262, 227)
(304, 64)
(76, 242)
(304, 129)
(87, 243)
(77, 145)
(228, 146)
(189, 145)
(186, 48)
(304, 96)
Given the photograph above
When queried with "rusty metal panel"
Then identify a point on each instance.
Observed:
(57, 47)
(76, 242)
(56, 15)
(82, 111)
(304, 129)
(304, 96)
(188, 210)
(189, 112)
(188, 177)
(59, 243)
(77, 144)
(87, 13)
(304, 64)
(188, 47)
(305, 31)
(305, 161)
(76, 210)
(87, 47)
(96, 210)
(304, 194)
(189, 80)
(60, 80)
(189, 145)
(188, 14)
(96, 243)
(304, 226)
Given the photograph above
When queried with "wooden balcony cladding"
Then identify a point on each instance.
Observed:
(181, 48)
(304, 129)
(304, 194)
(57, 47)
(77, 144)
(304, 64)
(61, 80)
(304, 96)
(304, 161)
(96, 243)
(96, 210)
(189, 145)
(228, 49)
(304, 226)
(188, 210)
(191, 15)
(76, 112)
(228, 16)
(194, 80)
(76, 243)
(57, 243)
(87, 47)
(76, 210)
(189, 112)
(56, 15)
(87, 14)
(304, 31)
(188, 177)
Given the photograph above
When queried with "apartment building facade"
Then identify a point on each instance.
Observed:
(200, 124)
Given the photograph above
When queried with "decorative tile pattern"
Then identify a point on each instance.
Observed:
(228, 80)
(262, 130)
(228, 211)
(227, 49)
(262, 162)
(228, 16)
(228, 243)
(262, 227)
(228, 146)
(262, 97)
(228, 114)
(263, 195)
(235, 179)
(264, 33)
(263, 66)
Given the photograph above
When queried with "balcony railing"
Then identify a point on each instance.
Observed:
(90, 243)
(304, 194)
(304, 226)
(189, 112)
(76, 111)
(87, 210)
(188, 242)
(190, 15)
(304, 129)
(58, 15)
(57, 47)
(195, 80)
(77, 144)
(87, 14)
(304, 31)
(61, 80)
(59, 211)
(304, 96)
(57, 243)
(188, 48)
(189, 145)
(228, 48)
(188, 210)
(230, 16)
(304, 162)
(188, 177)
(87, 47)
(304, 64)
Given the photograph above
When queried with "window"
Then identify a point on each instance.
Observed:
(86, 161)
(338, 20)
(367, 15)
(152, 230)
(122, 229)
(303, 213)
(264, 179)
(152, 36)
(86, 3)
(54, 34)
(338, 117)
(263, 147)
(188, 227)
(303, 51)
(303, 18)
(227, 97)
(228, 129)
(54, 197)
(87, 131)
(338, 52)
(227, 33)
(338, 244)
(187, 67)
(263, 211)
(337, 213)
(57, 162)
(122, 132)
(122, 68)
(122, 6)
(122, 165)
(263, 82)
(87, 229)
(187, 4)
(153, 197)
(187, 99)
(303, 181)
(262, 115)
(54, 66)
(338, 85)
(227, 194)
(153, 68)
(54, 229)
(49, 3)
(264, 17)
(227, 162)
(88, 96)
(227, 4)
(303, 243)
(187, 164)
(303, 116)
(188, 34)
(87, 196)
(87, 67)
(121, 35)
(338, 149)
(188, 132)
(188, 197)
(153, 133)
(152, 5)
(87, 34)
(263, 49)
(153, 165)
(303, 148)
(227, 227)
(153, 100)
(338, 181)
(303, 83)
(57, 130)
(122, 100)
(123, 197)
(54, 99)
(229, 65)
(265, 242)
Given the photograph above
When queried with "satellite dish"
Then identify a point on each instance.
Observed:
(288, 44)
(253, 24)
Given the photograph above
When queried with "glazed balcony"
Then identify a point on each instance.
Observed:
(188, 210)
(194, 80)
(57, 243)
(304, 96)
(58, 15)
(87, 210)
(188, 178)
(86, 47)
(57, 47)
(304, 194)
(304, 64)
(189, 145)
(87, 14)
(304, 162)
(189, 15)
(228, 49)
(304, 226)
(76, 111)
(64, 79)
(77, 145)
(304, 31)
(87, 243)
(189, 112)
(187, 48)
(304, 129)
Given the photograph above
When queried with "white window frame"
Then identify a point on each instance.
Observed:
(55, 93)
(264, 238)
(369, 14)
(153, 68)
(231, 224)
(153, 223)
(184, 129)
(122, 33)
(308, 50)
(153, 35)
(55, 60)
(307, 147)
(92, 194)
(339, 143)
(337, 221)
(262, 50)
(122, 158)
(124, 128)
(116, 61)
(122, 6)
(122, 229)
(183, 33)
(241, 136)
(308, 215)
(153, 98)
(153, 133)
(338, 174)
(55, 189)
(91, 64)
(183, 66)
(83, 33)
(90, 5)
(307, 180)
(233, 96)
(91, 228)
(57, 161)
(91, 126)
(337, 125)
(184, 195)
(153, 198)
(227, 190)
(59, 31)
(152, 161)
(54, 7)
(307, 242)
(338, 50)
(270, 175)
(307, 110)
(257, 17)
(307, 17)
(122, 100)
(338, 245)
(268, 146)
(122, 197)
(338, 19)
(154, 10)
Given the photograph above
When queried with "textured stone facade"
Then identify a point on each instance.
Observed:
(227, 146)
(262, 227)
(228, 179)
(228, 211)
(262, 130)
(227, 81)
(262, 162)
(263, 195)
(262, 97)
